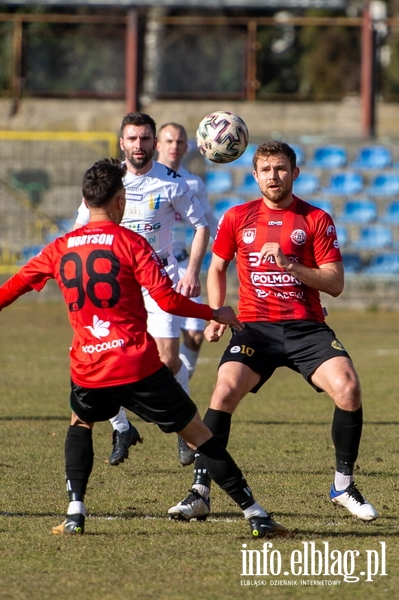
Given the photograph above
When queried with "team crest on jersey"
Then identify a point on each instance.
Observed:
(298, 236)
(331, 230)
(248, 236)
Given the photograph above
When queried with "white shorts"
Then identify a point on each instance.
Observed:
(190, 323)
(160, 323)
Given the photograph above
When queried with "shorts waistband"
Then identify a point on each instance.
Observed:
(181, 256)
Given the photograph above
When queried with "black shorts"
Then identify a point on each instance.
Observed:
(156, 399)
(299, 345)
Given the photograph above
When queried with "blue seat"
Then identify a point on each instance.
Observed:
(300, 154)
(383, 264)
(373, 157)
(352, 263)
(324, 204)
(223, 204)
(359, 211)
(373, 237)
(391, 214)
(218, 181)
(344, 183)
(342, 235)
(245, 160)
(248, 186)
(306, 184)
(329, 157)
(384, 184)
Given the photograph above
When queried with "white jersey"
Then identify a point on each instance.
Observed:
(179, 228)
(152, 200)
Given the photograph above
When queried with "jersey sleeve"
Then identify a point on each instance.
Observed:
(189, 207)
(326, 246)
(225, 244)
(83, 216)
(202, 197)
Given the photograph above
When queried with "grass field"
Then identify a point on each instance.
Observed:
(281, 439)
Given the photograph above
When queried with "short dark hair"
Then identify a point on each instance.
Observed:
(272, 148)
(176, 126)
(138, 118)
(102, 181)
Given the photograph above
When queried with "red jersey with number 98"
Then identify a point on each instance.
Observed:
(306, 235)
(100, 269)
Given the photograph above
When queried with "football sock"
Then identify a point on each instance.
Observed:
(346, 432)
(120, 422)
(224, 471)
(76, 507)
(202, 489)
(219, 422)
(182, 377)
(255, 511)
(189, 358)
(79, 458)
(342, 481)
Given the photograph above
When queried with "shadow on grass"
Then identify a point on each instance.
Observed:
(36, 418)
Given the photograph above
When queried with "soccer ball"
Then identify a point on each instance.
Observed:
(222, 136)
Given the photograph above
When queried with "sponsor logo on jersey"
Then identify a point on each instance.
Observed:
(331, 230)
(143, 227)
(336, 244)
(133, 210)
(132, 196)
(105, 239)
(298, 237)
(275, 223)
(100, 329)
(337, 345)
(172, 173)
(248, 236)
(274, 278)
(155, 202)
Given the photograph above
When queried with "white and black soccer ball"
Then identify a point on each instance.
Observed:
(222, 136)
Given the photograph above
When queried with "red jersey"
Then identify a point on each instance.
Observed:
(100, 269)
(306, 235)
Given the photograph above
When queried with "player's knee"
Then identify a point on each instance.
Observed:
(193, 340)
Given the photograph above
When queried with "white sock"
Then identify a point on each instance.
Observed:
(76, 507)
(342, 481)
(189, 357)
(120, 421)
(202, 489)
(255, 511)
(182, 377)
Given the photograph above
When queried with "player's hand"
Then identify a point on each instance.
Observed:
(273, 250)
(214, 331)
(189, 286)
(225, 315)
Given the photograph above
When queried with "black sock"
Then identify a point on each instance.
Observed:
(219, 422)
(346, 432)
(224, 471)
(79, 458)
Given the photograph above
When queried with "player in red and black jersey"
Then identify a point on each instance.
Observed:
(286, 252)
(100, 270)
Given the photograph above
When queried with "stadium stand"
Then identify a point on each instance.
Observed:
(300, 154)
(218, 181)
(245, 160)
(220, 206)
(373, 157)
(307, 183)
(384, 184)
(352, 262)
(342, 235)
(359, 211)
(344, 183)
(324, 204)
(248, 186)
(329, 157)
(373, 238)
(383, 264)
(391, 214)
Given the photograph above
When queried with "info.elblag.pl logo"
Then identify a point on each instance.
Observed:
(310, 561)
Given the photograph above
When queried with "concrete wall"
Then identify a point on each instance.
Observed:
(289, 120)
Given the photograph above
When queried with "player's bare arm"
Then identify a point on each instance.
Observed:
(216, 286)
(190, 285)
(328, 278)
